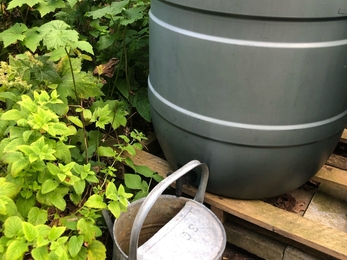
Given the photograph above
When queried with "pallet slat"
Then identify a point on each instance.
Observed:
(315, 235)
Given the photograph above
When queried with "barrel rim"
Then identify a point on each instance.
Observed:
(292, 9)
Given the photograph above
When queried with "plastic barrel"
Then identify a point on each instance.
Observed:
(257, 89)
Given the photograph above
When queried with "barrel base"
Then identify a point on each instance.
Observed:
(244, 172)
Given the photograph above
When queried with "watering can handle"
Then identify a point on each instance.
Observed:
(154, 195)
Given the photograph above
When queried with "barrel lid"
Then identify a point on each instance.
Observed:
(305, 9)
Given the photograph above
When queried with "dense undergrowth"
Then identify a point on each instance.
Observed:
(72, 74)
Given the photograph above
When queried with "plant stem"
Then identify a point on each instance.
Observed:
(72, 75)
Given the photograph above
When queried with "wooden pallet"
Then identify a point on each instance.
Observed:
(287, 226)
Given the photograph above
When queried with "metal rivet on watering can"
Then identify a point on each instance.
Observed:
(256, 89)
(168, 227)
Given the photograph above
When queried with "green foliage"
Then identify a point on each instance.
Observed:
(56, 111)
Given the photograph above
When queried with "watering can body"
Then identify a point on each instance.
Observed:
(169, 227)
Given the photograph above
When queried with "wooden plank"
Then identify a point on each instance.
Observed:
(331, 175)
(337, 161)
(315, 235)
(344, 137)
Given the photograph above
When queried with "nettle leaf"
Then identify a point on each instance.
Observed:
(12, 114)
(48, 186)
(95, 201)
(13, 34)
(111, 189)
(19, 3)
(49, 6)
(25, 205)
(102, 116)
(57, 199)
(86, 85)
(37, 216)
(40, 253)
(79, 186)
(96, 250)
(8, 208)
(86, 228)
(55, 34)
(16, 249)
(30, 232)
(8, 189)
(75, 244)
(20, 162)
(116, 208)
(56, 232)
(12, 226)
(62, 151)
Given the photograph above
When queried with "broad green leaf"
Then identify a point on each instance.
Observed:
(53, 169)
(75, 120)
(8, 95)
(130, 150)
(105, 41)
(106, 151)
(122, 194)
(141, 102)
(30, 232)
(48, 186)
(62, 151)
(141, 194)
(8, 208)
(74, 245)
(111, 189)
(16, 249)
(58, 200)
(144, 171)
(157, 177)
(72, 3)
(13, 34)
(27, 134)
(19, 3)
(86, 228)
(32, 39)
(69, 222)
(79, 186)
(9, 189)
(3, 210)
(55, 233)
(49, 6)
(12, 226)
(37, 216)
(55, 34)
(18, 166)
(132, 15)
(96, 251)
(133, 181)
(95, 201)
(108, 11)
(115, 208)
(24, 205)
(40, 253)
(82, 254)
(84, 46)
(12, 114)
